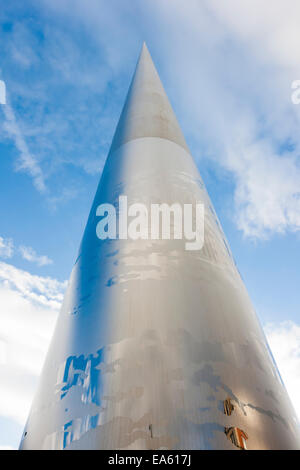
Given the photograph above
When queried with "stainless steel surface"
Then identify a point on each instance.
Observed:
(157, 347)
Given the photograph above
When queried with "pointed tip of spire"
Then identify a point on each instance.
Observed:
(147, 111)
(144, 48)
(144, 53)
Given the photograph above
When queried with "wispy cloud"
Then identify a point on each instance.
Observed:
(29, 254)
(26, 161)
(58, 116)
(6, 247)
(22, 46)
(2, 92)
(7, 250)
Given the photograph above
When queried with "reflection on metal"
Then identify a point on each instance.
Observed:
(237, 437)
(228, 407)
(151, 338)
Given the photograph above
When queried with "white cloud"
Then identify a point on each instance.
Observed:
(6, 247)
(267, 179)
(284, 340)
(228, 64)
(29, 307)
(267, 194)
(29, 254)
(231, 65)
(43, 291)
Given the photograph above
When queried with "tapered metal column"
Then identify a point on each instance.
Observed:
(157, 347)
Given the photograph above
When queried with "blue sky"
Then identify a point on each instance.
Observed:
(227, 67)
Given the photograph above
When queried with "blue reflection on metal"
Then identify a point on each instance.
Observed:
(84, 372)
(74, 430)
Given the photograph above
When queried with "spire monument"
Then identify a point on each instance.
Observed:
(157, 346)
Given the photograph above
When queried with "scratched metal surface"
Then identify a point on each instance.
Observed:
(151, 338)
